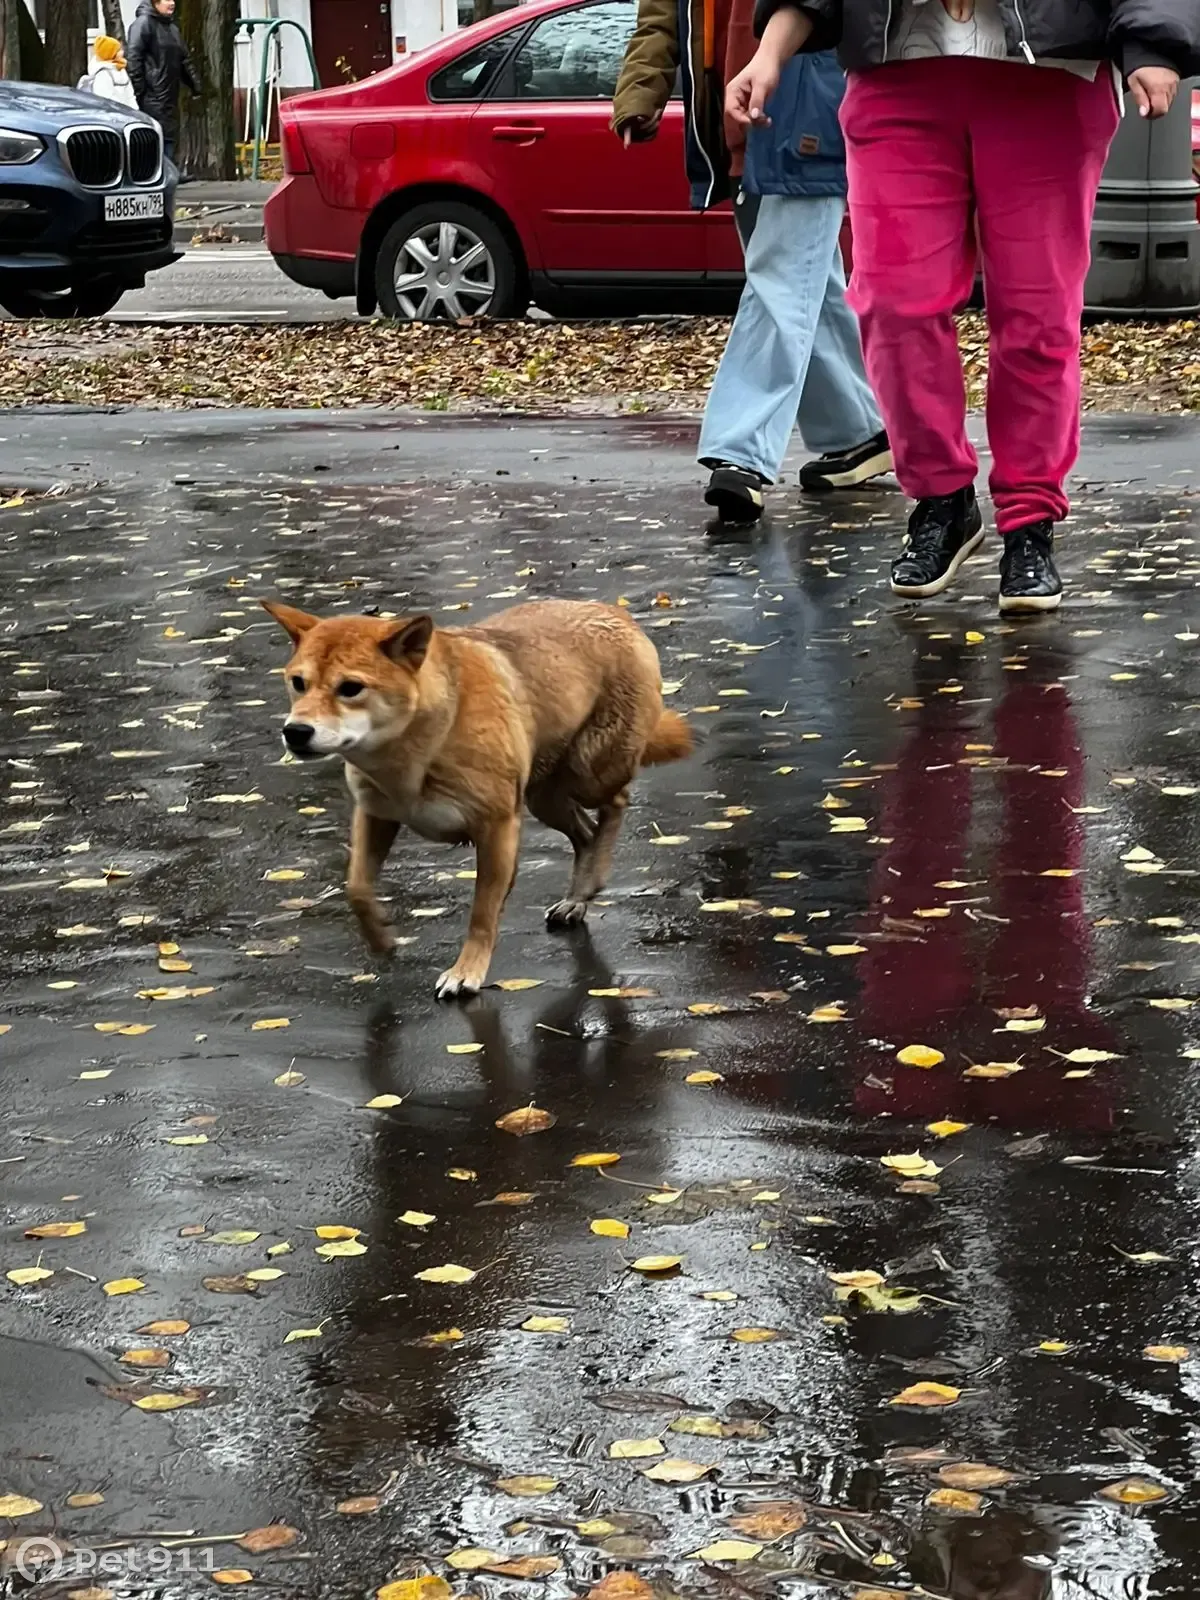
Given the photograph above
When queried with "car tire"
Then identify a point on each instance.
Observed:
(85, 300)
(447, 240)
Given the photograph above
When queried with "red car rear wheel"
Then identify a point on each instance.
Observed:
(445, 260)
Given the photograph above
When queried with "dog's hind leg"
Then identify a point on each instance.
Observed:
(550, 804)
(592, 863)
(370, 840)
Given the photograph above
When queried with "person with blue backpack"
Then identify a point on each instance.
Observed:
(793, 354)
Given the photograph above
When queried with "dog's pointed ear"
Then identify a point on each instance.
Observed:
(408, 643)
(297, 623)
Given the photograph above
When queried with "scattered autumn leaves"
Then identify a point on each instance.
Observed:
(1127, 366)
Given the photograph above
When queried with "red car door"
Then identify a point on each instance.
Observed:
(594, 209)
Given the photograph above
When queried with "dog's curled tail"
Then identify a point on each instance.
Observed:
(671, 741)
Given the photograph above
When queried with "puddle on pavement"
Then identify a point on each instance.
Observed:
(902, 829)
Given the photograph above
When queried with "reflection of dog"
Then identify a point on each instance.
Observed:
(555, 705)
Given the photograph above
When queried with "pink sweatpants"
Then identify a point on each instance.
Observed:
(950, 158)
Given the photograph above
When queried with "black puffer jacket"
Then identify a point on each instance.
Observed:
(158, 63)
(1133, 33)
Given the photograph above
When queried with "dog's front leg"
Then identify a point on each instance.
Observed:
(370, 840)
(495, 868)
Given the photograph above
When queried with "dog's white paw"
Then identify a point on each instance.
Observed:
(566, 914)
(453, 985)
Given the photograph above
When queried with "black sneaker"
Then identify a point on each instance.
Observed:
(844, 468)
(737, 493)
(942, 532)
(1029, 580)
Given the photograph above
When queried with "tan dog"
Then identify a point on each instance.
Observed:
(554, 705)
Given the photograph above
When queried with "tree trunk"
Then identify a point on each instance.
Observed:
(206, 123)
(66, 41)
(10, 39)
(114, 26)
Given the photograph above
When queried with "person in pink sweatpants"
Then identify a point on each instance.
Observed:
(976, 133)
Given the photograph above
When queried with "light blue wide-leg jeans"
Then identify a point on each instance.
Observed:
(793, 354)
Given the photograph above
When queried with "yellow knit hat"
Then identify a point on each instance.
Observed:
(107, 49)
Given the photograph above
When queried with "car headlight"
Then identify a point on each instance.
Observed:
(17, 148)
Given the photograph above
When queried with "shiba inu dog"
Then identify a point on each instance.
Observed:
(554, 705)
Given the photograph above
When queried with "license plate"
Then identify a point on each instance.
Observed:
(133, 207)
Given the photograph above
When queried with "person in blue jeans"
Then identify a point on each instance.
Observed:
(793, 354)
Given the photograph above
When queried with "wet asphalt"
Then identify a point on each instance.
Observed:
(904, 826)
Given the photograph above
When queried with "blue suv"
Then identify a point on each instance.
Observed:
(87, 201)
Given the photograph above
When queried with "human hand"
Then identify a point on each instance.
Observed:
(1154, 89)
(639, 129)
(747, 94)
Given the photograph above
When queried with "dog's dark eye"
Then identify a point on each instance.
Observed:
(298, 683)
(349, 687)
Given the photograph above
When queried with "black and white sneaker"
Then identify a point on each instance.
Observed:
(737, 493)
(845, 468)
(1029, 580)
(942, 532)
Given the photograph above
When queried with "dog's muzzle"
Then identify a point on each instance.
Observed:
(298, 737)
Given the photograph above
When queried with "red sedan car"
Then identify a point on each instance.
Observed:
(481, 173)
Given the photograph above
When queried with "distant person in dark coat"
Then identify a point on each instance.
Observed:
(158, 64)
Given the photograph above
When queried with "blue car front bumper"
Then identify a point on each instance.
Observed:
(54, 234)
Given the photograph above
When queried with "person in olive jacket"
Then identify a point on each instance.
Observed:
(977, 130)
(158, 64)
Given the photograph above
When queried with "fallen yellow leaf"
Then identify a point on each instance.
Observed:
(430, 1588)
(340, 1248)
(25, 1275)
(56, 1230)
(447, 1274)
(974, 1475)
(945, 1128)
(470, 1559)
(674, 1469)
(416, 1219)
(960, 1501)
(1133, 1492)
(728, 1550)
(704, 1077)
(919, 1055)
(635, 1449)
(598, 1158)
(926, 1394)
(546, 1325)
(1167, 1352)
(265, 1023)
(164, 1402)
(515, 985)
(116, 1286)
(526, 1486)
(525, 1120)
(18, 1505)
(654, 1264)
(609, 1228)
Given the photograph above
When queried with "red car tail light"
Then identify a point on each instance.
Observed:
(295, 156)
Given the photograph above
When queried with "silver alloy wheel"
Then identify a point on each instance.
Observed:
(444, 270)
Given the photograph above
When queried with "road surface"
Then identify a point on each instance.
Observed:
(903, 827)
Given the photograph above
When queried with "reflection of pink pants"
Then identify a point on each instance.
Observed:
(938, 151)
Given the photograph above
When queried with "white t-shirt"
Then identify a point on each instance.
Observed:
(924, 28)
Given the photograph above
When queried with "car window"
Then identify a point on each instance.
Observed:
(470, 76)
(575, 55)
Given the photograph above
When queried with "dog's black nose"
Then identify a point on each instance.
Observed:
(298, 735)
